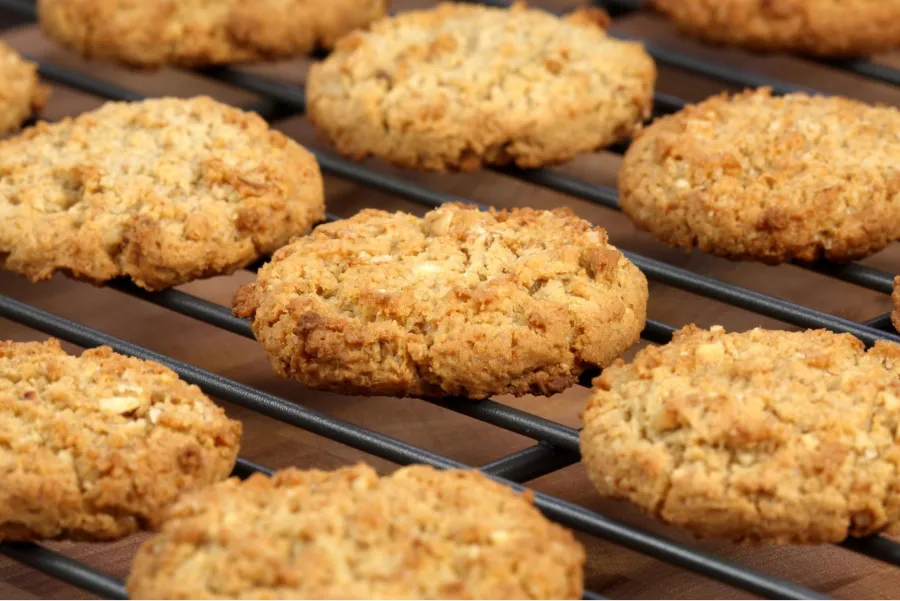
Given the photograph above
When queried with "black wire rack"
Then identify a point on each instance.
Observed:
(556, 445)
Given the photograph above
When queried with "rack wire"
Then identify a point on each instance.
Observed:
(556, 445)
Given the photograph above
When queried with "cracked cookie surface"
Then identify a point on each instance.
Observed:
(95, 447)
(774, 179)
(194, 33)
(162, 191)
(418, 533)
(460, 86)
(849, 28)
(458, 303)
(760, 436)
(21, 93)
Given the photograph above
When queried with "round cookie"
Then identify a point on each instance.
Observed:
(768, 178)
(849, 28)
(459, 303)
(194, 33)
(162, 191)
(460, 86)
(95, 447)
(416, 534)
(21, 94)
(761, 436)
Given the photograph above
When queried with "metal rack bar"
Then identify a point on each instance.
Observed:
(531, 463)
(187, 304)
(514, 420)
(66, 569)
(77, 81)
(864, 68)
(243, 469)
(757, 302)
(877, 547)
(882, 322)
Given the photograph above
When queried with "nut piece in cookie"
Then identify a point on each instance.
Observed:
(460, 86)
(775, 179)
(196, 33)
(95, 447)
(760, 436)
(162, 191)
(419, 533)
(21, 93)
(849, 28)
(458, 303)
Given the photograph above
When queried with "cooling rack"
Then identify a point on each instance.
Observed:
(556, 445)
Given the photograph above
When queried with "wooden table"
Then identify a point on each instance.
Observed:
(611, 570)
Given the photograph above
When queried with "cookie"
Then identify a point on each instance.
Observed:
(348, 534)
(161, 191)
(461, 86)
(21, 93)
(825, 28)
(773, 179)
(95, 447)
(760, 436)
(458, 303)
(196, 33)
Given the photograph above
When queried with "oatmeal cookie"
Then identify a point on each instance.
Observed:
(95, 447)
(458, 303)
(460, 86)
(416, 534)
(162, 191)
(761, 436)
(754, 176)
(849, 28)
(21, 93)
(194, 33)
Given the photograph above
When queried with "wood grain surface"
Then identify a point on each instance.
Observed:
(611, 570)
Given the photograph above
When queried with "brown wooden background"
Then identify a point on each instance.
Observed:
(611, 570)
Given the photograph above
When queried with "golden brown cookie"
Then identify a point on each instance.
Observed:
(760, 436)
(348, 534)
(21, 93)
(458, 303)
(95, 447)
(193, 33)
(848, 28)
(460, 86)
(754, 176)
(162, 191)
